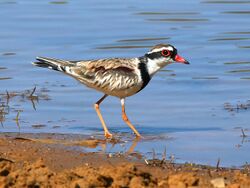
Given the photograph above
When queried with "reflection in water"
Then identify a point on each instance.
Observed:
(93, 143)
(244, 136)
(17, 120)
(15, 98)
(119, 145)
(237, 107)
(3, 111)
(130, 149)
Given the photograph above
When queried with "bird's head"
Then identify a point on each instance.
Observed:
(162, 55)
(165, 53)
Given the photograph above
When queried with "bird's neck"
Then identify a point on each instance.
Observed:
(153, 65)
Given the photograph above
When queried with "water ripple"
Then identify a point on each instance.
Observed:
(8, 53)
(144, 39)
(226, 2)
(239, 71)
(236, 12)
(167, 13)
(244, 46)
(179, 20)
(8, 2)
(58, 2)
(205, 78)
(237, 63)
(238, 32)
(121, 47)
(229, 39)
(5, 78)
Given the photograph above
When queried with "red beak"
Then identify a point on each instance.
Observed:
(180, 59)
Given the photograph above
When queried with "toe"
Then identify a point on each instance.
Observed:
(108, 135)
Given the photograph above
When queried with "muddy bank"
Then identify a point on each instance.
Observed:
(51, 160)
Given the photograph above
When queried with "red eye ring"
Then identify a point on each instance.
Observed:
(165, 53)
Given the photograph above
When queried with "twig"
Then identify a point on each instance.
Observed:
(8, 95)
(17, 116)
(164, 155)
(172, 158)
(218, 164)
(17, 120)
(33, 91)
(243, 133)
(3, 159)
(33, 104)
(153, 153)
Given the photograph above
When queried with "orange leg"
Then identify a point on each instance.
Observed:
(106, 131)
(125, 118)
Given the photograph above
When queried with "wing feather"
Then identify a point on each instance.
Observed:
(107, 74)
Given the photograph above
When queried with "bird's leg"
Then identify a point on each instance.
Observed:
(106, 132)
(125, 118)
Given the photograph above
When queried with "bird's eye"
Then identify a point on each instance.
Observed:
(165, 53)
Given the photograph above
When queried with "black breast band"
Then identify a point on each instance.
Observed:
(144, 72)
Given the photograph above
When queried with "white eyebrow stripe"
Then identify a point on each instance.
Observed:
(170, 48)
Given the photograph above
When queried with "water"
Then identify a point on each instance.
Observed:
(182, 108)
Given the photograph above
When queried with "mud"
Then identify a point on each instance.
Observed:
(53, 160)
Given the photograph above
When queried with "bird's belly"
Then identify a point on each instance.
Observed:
(124, 92)
(119, 84)
(120, 92)
(117, 91)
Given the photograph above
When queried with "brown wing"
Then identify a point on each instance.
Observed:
(107, 64)
(107, 74)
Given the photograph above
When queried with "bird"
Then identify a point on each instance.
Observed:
(118, 77)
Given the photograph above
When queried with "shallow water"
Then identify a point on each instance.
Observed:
(183, 108)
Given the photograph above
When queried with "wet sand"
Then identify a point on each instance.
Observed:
(55, 160)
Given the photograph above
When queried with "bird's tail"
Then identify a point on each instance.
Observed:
(55, 64)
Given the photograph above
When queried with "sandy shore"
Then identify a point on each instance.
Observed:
(53, 160)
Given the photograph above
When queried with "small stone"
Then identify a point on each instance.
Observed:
(218, 182)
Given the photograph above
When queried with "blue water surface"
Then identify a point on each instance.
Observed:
(184, 108)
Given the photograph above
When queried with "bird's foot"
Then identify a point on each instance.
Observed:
(138, 137)
(107, 135)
